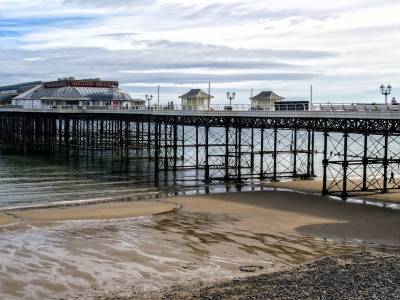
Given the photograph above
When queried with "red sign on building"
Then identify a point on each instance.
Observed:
(90, 83)
(81, 83)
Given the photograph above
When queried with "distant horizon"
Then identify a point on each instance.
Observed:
(345, 49)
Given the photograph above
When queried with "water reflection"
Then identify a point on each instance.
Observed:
(27, 180)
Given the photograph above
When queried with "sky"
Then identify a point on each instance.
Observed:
(345, 48)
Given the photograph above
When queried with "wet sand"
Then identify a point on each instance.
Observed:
(6, 219)
(102, 211)
(208, 239)
(291, 212)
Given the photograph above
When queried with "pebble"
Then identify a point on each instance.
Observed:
(361, 275)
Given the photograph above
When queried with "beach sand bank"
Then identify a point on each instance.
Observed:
(291, 212)
(6, 219)
(208, 239)
(101, 211)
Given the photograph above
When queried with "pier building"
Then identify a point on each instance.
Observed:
(266, 100)
(76, 93)
(196, 99)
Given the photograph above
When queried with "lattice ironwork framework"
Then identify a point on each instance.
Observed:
(360, 155)
(356, 164)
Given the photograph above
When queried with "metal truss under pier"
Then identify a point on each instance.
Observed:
(361, 153)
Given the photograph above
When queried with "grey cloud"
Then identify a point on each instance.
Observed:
(193, 78)
(165, 55)
(117, 35)
(236, 53)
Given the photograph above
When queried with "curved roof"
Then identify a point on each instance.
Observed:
(72, 93)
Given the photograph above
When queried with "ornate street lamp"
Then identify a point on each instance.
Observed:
(149, 98)
(386, 91)
(230, 97)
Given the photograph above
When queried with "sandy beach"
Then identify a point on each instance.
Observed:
(80, 253)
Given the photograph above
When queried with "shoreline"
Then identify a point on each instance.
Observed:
(32, 212)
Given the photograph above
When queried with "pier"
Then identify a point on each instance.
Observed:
(361, 146)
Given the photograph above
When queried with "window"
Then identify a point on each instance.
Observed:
(72, 102)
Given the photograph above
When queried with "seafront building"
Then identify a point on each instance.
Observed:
(71, 92)
(196, 99)
(265, 101)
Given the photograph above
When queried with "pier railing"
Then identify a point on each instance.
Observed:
(318, 107)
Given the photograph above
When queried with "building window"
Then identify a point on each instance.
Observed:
(72, 102)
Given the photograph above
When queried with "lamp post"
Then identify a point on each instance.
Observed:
(148, 99)
(230, 97)
(386, 91)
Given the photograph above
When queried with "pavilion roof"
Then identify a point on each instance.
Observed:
(196, 94)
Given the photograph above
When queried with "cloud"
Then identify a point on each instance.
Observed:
(159, 55)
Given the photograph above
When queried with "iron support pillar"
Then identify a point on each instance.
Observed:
(325, 165)
(295, 153)
(226, 153)
(262, 155)
(345, 166)
(275, 154)
(239, 154)
(385, 163)
(175, 145)
(365, 163)
(156, 148)
(197, 147)
(207, 166)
